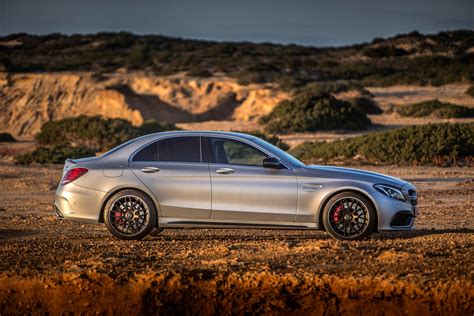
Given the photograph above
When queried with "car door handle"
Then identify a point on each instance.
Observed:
(225, 171)
(150, 169)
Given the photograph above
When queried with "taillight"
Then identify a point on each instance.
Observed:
(73, 174)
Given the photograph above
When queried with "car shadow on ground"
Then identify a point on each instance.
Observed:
(421, 232)
(236, 235)
(208, 235)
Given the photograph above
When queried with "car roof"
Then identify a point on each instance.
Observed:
(200, 133)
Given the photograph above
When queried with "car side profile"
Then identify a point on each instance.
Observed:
(209, 179)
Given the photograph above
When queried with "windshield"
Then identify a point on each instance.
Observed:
(283, 155)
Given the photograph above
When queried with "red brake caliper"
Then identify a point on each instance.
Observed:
(336, 217)
(118, 217)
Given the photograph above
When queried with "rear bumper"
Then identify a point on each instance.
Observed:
(77, 203)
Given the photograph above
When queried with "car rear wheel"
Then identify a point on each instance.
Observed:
(349, 216)
(130, 214)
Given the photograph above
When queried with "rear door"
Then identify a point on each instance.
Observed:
(172, 169)
(242, 189)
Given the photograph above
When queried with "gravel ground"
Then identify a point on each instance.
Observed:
(430, 269)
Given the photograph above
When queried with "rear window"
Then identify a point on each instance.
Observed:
(180, 149)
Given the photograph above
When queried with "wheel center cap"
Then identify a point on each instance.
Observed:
(347, 217)
(128, 215)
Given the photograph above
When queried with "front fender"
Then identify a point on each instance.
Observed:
(313, 195)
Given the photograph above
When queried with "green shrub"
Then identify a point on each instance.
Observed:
(54, 155)
(435, 108)
(366, 105)
(7, 137)
(153, 126)
(440, 144)
(272, 139)
(470, 91)
(309, 112)
(94, 132)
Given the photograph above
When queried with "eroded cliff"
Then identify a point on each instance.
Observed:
(29, 100)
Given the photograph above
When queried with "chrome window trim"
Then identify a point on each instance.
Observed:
(201, 135)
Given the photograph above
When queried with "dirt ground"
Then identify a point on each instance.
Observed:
(53, 266)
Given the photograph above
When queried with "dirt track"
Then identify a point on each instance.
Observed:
(48, 265)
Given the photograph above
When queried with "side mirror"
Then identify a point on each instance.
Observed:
(272, 163)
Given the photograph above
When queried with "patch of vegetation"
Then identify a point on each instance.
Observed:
(199, 73)
(435, 108)
(7, 137)
(53, 155)
(94, 132)
(384, 51)
(367, 105)
(272, 139)
(445, 58)
(154, 126)
(323, 88)
(318, 111)
(470, 91)
(424, 70)
(438, 144)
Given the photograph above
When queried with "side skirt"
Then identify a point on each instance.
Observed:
(165, 222)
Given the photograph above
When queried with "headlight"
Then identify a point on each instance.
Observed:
(390, 191)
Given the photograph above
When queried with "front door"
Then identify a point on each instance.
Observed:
(242, 189)
(172, 169)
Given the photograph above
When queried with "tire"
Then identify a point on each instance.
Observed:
(349, 216)
(130, 215)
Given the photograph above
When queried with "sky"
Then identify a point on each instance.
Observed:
(315, 23)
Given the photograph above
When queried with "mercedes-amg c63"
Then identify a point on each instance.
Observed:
(227, 180)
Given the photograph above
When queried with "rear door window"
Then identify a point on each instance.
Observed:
(180, 149)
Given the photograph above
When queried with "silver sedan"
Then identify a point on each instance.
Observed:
(227, 180)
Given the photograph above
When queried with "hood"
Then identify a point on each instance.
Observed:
(354, 174)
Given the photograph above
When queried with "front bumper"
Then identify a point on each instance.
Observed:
(394, 214)
(78, 203)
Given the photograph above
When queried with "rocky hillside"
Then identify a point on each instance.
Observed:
(139, 78)
(28, 100)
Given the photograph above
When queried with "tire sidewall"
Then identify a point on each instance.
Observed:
(370, 209)
(151, 213)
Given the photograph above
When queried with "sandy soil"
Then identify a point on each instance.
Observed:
(49, 265)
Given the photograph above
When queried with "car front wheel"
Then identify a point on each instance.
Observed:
(130, 214)
(349, 216)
